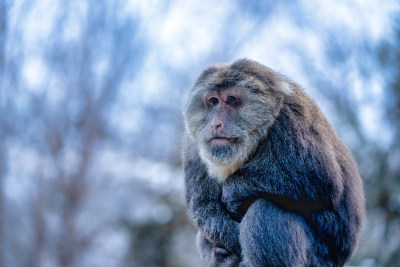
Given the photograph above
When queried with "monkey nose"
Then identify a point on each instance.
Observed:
(216, 125)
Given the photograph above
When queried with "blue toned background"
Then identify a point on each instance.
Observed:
(91, 98)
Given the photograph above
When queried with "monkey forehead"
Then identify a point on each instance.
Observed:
(225, 80)
(223, 92)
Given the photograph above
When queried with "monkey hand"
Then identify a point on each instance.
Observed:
(229, 237)
(236, 199)
(220, 230)
(226, 237)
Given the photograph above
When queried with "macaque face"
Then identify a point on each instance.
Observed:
(226, 115)
(222, 134)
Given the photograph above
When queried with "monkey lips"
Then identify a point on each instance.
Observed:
(221, 141)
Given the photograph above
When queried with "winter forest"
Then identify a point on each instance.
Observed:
(91, 100)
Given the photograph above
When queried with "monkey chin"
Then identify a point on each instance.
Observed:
(222, 161)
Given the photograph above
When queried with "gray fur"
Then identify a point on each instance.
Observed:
(287, 192)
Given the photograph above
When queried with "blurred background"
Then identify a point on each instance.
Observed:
(91, 98)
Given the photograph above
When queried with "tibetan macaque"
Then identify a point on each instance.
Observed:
(268, 182)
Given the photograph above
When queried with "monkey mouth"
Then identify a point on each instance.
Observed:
(222, 141)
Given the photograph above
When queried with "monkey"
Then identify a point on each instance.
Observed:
(267, 180)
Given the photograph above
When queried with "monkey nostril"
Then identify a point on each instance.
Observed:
(216, 125)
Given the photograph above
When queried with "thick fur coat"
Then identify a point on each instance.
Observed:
(296, 198)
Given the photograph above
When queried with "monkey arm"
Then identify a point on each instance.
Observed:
(295, 178)
(203, 199)
(217, 226)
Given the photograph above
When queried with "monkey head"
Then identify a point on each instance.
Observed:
(229, 111)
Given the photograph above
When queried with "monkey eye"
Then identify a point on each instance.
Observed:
(230, 100)
(213, 101)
